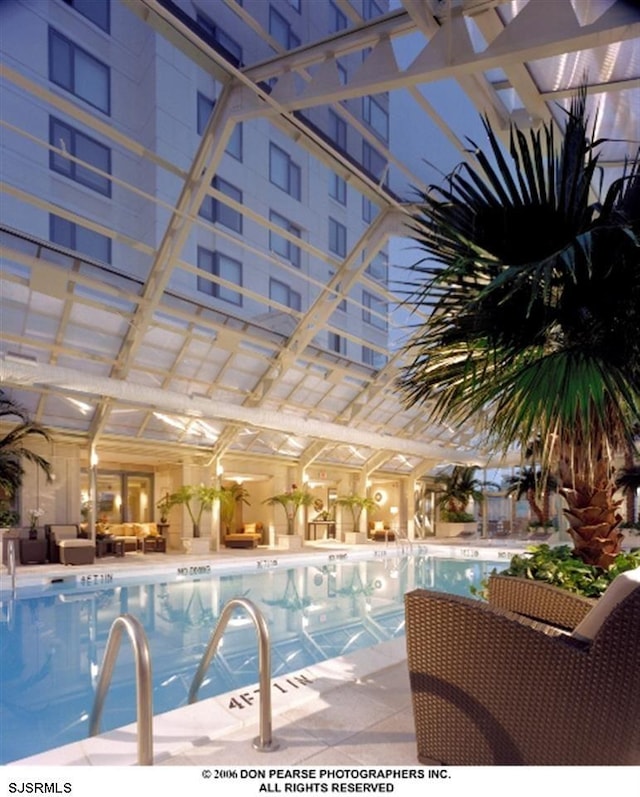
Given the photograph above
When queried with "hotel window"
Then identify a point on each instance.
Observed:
(379, 267)
(80, 239)
(342, 74)
(95, 10)
(205, 108)
(217, 211)
(279, 244)
(369, 210)
(376, 117)
(374, 311)
(370, 9)
(86, 149)
(337, 188)
(220, 37)
(337, 130)
(283, 172)
(373, 162)
(223, 267)
(296, 5)
(337, 20)
(373, 358)
(280, 292)
(337, 238)
(281, 31)
(336, 343)
(76, 71)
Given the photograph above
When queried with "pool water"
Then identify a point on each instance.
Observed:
(52, 643)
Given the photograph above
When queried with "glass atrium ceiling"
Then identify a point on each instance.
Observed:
(122, 350)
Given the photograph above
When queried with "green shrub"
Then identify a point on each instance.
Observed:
(559, 567)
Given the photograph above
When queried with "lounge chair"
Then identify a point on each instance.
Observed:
(67, 548)
(493, 687)
(538, 601)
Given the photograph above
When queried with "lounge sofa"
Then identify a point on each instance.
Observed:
(131, 534)
(379, 532)
(249, 536)
(67, 547)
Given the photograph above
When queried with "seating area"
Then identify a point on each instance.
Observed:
(502, 683)
(135, 536)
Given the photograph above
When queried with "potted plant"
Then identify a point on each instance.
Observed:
(164, 506)
(291, 501)
(356, 504)
(457, 489)
(230, 497)
(34, 515)
(196, 499)
(8, 516)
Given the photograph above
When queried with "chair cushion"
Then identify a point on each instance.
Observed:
(61, 533)
(620, 587)
(77, 543)
(249, 528)
(378, 525)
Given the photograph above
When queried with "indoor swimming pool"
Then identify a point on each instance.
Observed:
(53, 640)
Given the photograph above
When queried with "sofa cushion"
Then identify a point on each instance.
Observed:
(249, 528)
(620, 587)
(378, 525)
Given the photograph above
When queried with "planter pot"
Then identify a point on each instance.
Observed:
(197, 545)
(456, 529)
(355, 537)
(290, 542)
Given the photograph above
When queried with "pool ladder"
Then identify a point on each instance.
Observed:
(144, 698)
(265, 741)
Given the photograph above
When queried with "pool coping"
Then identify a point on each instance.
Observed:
(179, 566)
(183, 729)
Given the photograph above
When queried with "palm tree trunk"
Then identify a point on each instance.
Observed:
(534, 506)
(592, 510)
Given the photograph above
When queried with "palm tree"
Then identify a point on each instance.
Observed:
(203, 498)
(291, 501)
(230, 497)
(458, 488)
(356, 505)
(13, 446)
(535, 486)
(628, 480)
(534, 292)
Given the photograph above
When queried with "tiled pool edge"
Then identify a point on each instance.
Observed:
(182, 729)
(99, 575)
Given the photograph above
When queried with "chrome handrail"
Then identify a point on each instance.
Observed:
(264, 742)
(144, 699)
(11, 563)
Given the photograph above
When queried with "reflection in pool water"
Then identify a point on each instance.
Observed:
(52, 644)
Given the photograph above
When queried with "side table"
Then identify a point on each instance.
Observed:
(33, 552)
(108, 546)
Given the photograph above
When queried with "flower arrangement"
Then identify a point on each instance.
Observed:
(34, 514)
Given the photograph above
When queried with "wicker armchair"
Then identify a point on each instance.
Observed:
(538, 601)
(491, 687)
